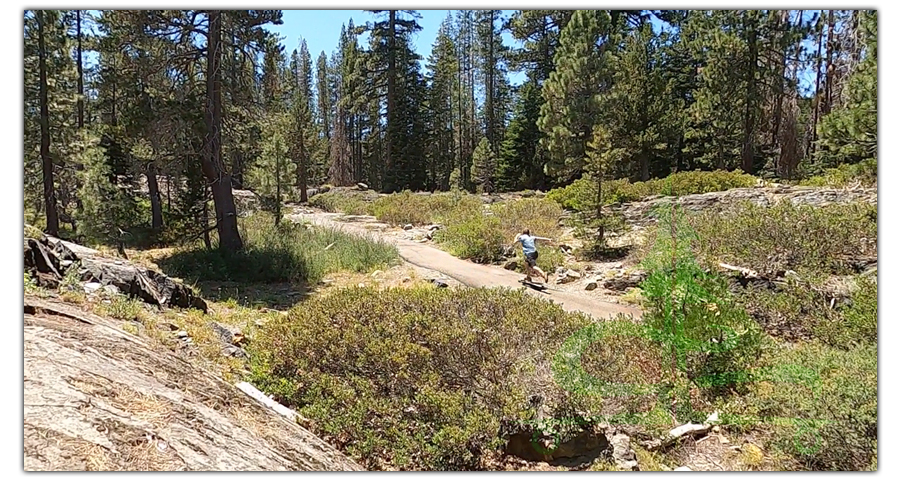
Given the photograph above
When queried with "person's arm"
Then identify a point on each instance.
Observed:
(541, 238)
(516, 241)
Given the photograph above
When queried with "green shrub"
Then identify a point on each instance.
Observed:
(697, 182)
(416, 378)
(539, 215)
(812, 242)
(820, 405)
(122, 307)
(420, 208)
(33, 232)
(344, 201)
(288, 252)
(581, 195)
(692, 314)
(785, 236)
(71, 281)
(865, 172)
(856, 323)
(861, 318)
(470, 233)
(801, 310)
(32, 287)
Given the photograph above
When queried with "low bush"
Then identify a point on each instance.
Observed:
(344, 201)
(119, 306)
(692, 313)
(420, 208)
(785, 236)
(470, 233)
(819, 405)
(287, 252)
(865, 172)
(416, 378)
(581, 195)
(803, 310)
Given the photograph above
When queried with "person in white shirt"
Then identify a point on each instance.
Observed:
(529, 251)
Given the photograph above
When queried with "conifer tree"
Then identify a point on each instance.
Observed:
(570, 110)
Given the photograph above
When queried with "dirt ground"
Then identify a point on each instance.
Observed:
(428, 258)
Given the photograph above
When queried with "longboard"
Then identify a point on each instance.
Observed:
(537, 286)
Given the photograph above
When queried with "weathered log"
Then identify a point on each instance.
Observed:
(42, 258)
(676, 434)
(747, 273)
(148, 285)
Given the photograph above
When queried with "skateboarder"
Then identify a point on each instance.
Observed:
(529, 251)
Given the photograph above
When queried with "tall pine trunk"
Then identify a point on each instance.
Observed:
(155, 198)
(301, 168)
(80, 70)
(782, 50)
(749, 121)
(829, 65)
(46, 161)
(220, 180)
(278, 160)
(811, 145)
(390, 136)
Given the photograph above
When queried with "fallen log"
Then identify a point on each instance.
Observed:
(676, 434)
(46, 264)
(148, 285)
(747, 273)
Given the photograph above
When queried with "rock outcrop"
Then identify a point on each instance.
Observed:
(98, 398)
(642, 212)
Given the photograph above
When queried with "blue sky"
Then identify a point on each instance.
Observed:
(322, 28)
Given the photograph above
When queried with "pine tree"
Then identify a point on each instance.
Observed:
(466, 129)
(443, 66)
(393, 59)
(849, 134)
(42, 20)
(323, 96)
(570, 110)
(521, 159)
(484, 166)
(302, 126)
(538, 31)
(270, 175)
(495, 86)
(725, 111)
(640, 112)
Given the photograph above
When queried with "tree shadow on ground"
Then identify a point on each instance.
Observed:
(250, 266)
(277, 296)
(603, 253)
(255, 278)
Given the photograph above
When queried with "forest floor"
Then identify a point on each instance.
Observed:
(131, 350)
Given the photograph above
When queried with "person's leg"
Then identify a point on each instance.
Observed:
(532, 258)
(541, 273)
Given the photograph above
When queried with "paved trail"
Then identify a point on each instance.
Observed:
(466, 272)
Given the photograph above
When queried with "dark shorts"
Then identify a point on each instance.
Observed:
(531, 258)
